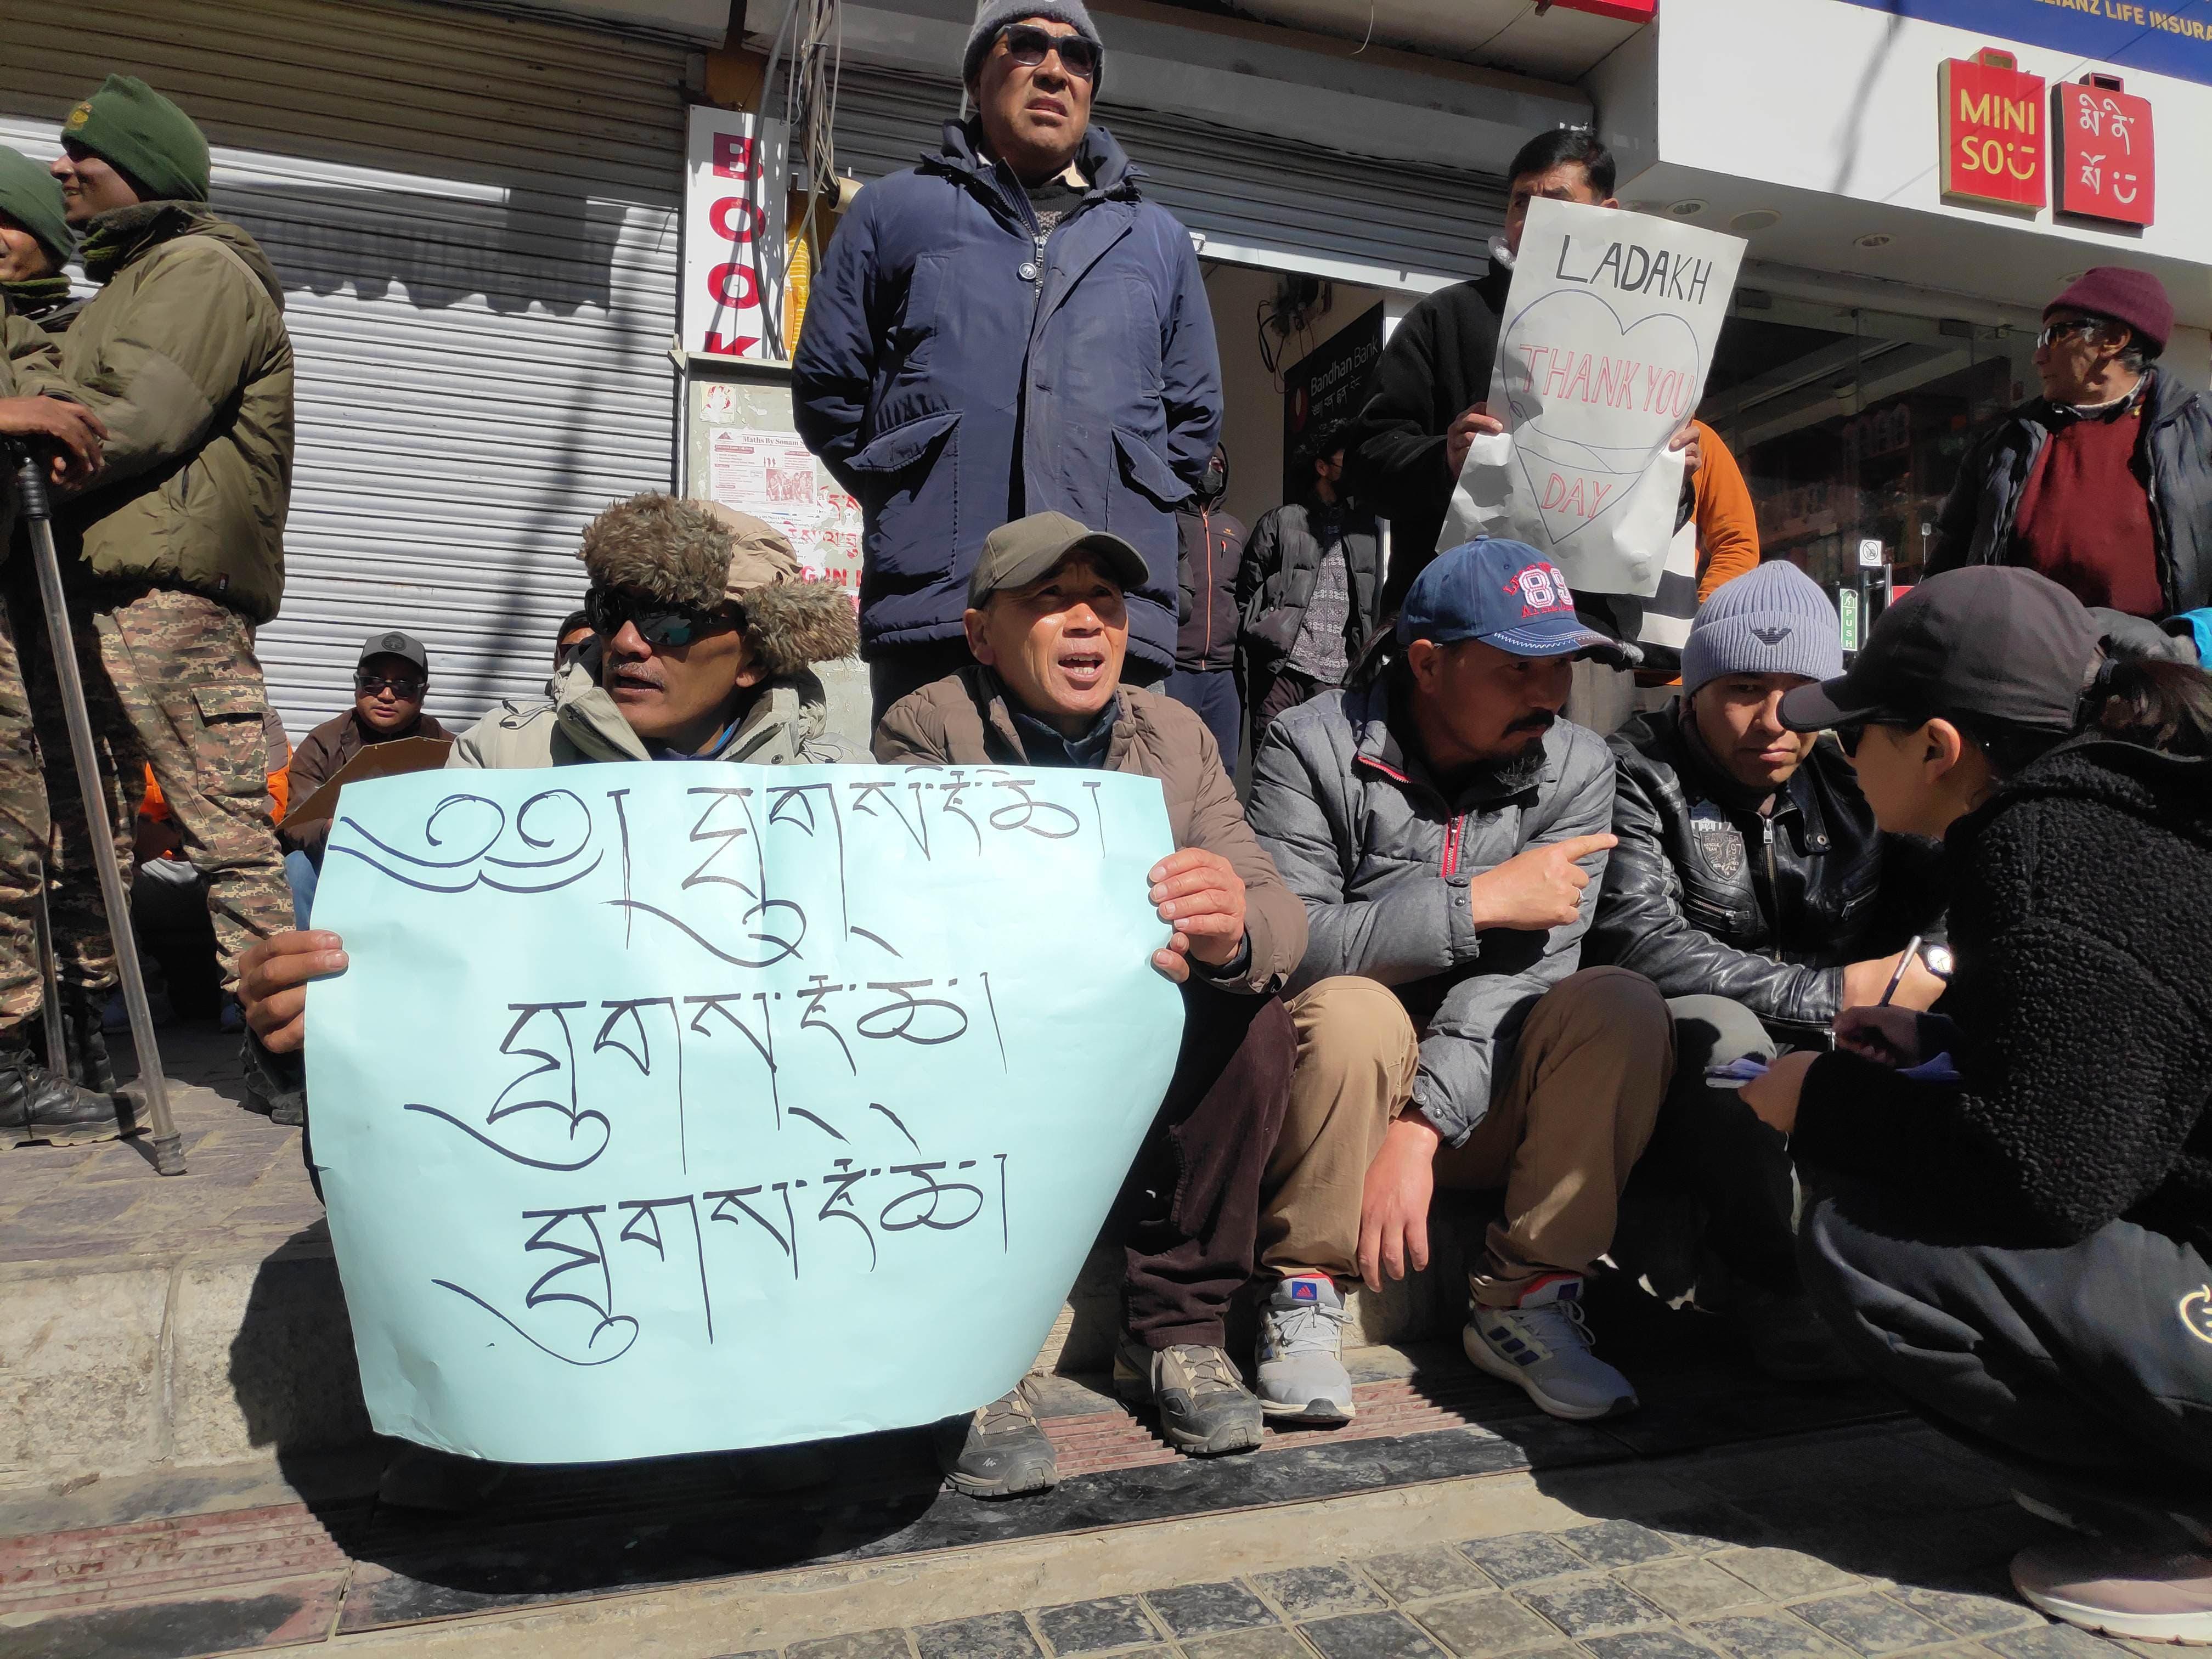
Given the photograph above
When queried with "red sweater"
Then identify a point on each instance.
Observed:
(2084, 518)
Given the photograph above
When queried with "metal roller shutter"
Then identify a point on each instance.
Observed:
(1296, 206)
(476, 218)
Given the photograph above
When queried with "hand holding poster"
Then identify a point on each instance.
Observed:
(1608, 331)
(673, 1109)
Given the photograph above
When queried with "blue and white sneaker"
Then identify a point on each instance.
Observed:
(1300, 1353)
(1544, 1346)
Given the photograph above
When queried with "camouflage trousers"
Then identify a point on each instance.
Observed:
(25, 828)
(171, 682)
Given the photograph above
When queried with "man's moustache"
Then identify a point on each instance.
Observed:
(1539, 722)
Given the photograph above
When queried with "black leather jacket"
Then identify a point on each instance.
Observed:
(1706, 896)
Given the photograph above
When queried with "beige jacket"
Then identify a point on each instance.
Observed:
(788, 727)
(962, 721)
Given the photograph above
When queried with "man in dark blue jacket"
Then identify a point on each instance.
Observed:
(1008, 328)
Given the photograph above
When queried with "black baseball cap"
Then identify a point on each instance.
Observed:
(1995, 643)
(1015, 555)
(393, 643)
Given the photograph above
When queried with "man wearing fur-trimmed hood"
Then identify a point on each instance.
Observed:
(706, 635)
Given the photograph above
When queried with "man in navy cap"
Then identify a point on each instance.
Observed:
(1447, 830)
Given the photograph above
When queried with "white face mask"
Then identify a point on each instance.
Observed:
(1499, 253)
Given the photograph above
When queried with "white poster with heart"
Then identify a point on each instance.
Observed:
(1607, 334)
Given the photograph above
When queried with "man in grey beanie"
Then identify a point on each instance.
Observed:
(1009, 328)
(1752, 887)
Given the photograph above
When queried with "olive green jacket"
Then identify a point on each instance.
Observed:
(29, 365)
(184, 355)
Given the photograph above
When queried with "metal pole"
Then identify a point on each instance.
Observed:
(151, 1086)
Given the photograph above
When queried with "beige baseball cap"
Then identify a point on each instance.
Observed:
(1015, 555)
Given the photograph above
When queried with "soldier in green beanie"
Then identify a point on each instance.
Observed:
(35, 243)
(183, 354)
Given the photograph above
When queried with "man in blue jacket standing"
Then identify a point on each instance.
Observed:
(1008, 328)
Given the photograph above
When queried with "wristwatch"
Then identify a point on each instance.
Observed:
(1937, 960)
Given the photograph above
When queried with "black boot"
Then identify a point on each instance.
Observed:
(84, 1041)
(36, 1105)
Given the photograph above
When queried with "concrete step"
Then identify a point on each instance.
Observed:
(149, 1324)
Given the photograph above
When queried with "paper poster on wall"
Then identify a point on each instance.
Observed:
(772, 476)
(1607, 334)
(736, 1107)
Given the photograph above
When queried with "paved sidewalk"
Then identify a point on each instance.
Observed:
(245, 1190)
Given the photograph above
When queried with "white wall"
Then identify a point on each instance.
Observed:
(1828, 114)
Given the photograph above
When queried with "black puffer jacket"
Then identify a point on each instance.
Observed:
(1706, 896)
(1276, 583)
(2079, 1016)
(2173, 461)
(1436, 368)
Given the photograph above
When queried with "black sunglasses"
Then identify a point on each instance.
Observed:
(1029, 45)
(1851, 735)
(659, 625)
(403, 687)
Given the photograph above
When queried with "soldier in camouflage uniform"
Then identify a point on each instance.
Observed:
(184, 354)
(36, 244)
(34, 1105)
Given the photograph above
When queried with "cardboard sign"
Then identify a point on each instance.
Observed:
(1608, 331)
(671, 1109)
(2107, 156)
(733, 233)
(1992, 127)
(375, 760)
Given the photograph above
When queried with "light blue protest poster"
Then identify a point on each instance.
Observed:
(669, 1108)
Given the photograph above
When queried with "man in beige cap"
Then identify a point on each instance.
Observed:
(1048, 622)
(706, 631)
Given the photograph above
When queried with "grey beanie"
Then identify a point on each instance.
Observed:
(992, 16)
(1773, 620)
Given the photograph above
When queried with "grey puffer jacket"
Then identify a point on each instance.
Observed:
(1365, 835)
(786, 727)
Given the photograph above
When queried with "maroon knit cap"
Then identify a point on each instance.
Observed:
(2134, 297)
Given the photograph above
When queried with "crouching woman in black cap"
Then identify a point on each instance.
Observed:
(2015, 1224)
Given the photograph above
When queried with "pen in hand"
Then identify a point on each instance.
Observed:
(1904, 962)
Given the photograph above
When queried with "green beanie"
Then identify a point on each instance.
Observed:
(129, 125)
(29, 196)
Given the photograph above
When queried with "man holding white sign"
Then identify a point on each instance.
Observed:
(1430, 402)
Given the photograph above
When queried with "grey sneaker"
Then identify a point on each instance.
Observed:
(998, 1451)
(2147, 1595)
(1544, 1346)
(1300, 1353)
(1204, 1406)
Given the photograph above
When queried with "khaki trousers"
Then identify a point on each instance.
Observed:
(1570, 1114)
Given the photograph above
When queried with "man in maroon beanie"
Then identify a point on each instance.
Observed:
(2104, 483)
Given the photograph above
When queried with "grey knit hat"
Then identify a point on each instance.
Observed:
(1773, 620)
(992, 16)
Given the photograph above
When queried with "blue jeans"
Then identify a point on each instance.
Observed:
(299, 870)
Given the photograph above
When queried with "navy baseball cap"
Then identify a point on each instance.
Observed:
(1506, 594)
